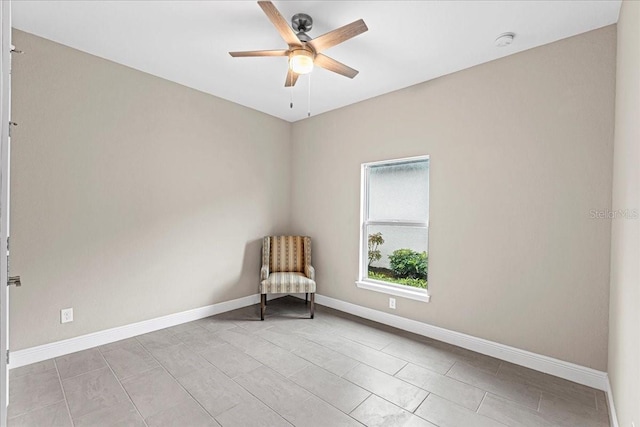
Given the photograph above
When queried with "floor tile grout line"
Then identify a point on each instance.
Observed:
(359, 362)
(405, 360)
(223, 373)
(400, 407)
(13, 417)
(335, 351)
(319, 366)
(301, 357)
(262, 365)
(466, 408)
(178, 381)
(497, 394)
(539, 403)
(349, 370)
(461, 383)
(372, 367)
(529, 410)
(87, 372)
(363, 344)
(77, 375)
(14, 376)
(450, 368)
(329, 403)
(120, 348)
(401, 368)
(360, 404)
(337, 330)
(356, 342)
(477, 411)
(421, 402)
(256, 397)
(144, 371)
(420, 339)
(64, 394)
(102, 350)
(124, 390)
(381, 397)
(370, 348)
(403, 380)
(356, 321)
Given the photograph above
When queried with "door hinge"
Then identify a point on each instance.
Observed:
(8, 356)
(11, 126)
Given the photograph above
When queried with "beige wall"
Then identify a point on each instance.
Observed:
(624, 317)
(132, 197)
(521, 152)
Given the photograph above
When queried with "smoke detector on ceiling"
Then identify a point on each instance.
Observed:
(505, 39)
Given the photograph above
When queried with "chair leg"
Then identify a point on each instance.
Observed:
(312, 303)
(306, 296)
(263, 305)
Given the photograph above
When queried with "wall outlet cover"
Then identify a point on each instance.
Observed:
(392, 303)
(66, 315)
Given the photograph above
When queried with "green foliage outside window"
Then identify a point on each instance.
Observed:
(409, 263)
(374, 241)
(416, 283)
(408, 267)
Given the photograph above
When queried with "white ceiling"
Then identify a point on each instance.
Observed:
(408, 42)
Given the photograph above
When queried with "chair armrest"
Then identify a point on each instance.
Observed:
(266, 248)
(310, 272)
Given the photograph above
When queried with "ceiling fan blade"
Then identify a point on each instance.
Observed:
(335, 66)
(338, 36)
(292, 78)
(250, 53)
(280, 23)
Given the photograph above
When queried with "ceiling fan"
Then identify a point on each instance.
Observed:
(305, 52)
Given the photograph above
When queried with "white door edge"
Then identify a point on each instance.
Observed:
(5, 116)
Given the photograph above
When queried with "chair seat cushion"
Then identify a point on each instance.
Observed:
(284, 283)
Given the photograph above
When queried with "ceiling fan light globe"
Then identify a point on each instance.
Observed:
(301, 63)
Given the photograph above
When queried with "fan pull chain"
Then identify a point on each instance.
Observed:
(309, 104)
(291, 91)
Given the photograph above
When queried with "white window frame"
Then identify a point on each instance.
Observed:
(363, 281)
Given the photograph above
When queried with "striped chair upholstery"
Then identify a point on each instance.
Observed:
(286, 268)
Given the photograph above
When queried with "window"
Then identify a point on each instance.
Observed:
(394, 234)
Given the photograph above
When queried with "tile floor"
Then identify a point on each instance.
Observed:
(335, 370)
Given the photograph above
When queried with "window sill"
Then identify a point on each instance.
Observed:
(400, 291)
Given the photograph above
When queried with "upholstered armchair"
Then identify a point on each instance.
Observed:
(286, 268)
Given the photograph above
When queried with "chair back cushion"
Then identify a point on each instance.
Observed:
(286, 254)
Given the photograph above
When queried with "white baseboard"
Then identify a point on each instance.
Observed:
(538, 362)
(549, 365)
(59, 348)
(613, 417)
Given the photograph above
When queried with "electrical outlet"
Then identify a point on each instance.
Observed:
(392, 303)
(66, 315)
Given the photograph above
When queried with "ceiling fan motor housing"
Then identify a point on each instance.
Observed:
(301, 22)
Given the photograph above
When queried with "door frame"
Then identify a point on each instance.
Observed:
(5, 117)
